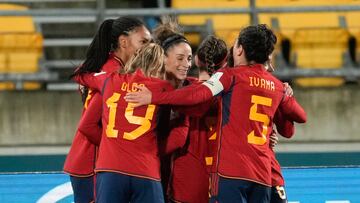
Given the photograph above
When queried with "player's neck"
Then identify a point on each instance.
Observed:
(122, 56)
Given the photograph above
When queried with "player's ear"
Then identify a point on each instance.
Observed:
(238, 50)
(123, 41)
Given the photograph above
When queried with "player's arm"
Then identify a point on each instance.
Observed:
(197, 110)
(292, 110)
(284, 127)
(90, 123)
(178, 135)
(92, 80)
(189, 95)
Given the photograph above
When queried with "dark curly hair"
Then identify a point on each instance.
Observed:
(258, 42)
(211, 53)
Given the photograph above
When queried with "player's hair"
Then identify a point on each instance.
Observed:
(230, 57)
(105, 40)
(258, 41)
(149, 58)
(168, 34)
(211, 54)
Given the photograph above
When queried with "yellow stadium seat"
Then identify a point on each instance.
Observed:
(21, 47)
(15, 24)
(23, 62)
(7, 86)
(300, 3)
(31, 85)
(3, 63)
(353, 24)
(318, 39)
(226, 26)
(320, 48)
(288, 23)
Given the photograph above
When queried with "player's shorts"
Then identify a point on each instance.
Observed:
(83, 188)
(234, 190)
(278, 194)
(116, 187)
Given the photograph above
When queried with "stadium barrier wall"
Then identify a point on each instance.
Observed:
(303, 185)
(50, 118)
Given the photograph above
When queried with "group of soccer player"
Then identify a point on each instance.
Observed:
(150, 133)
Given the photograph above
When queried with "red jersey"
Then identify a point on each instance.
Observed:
(128, 143)
(250, 98)
(195, 160)
(276, 176)
(82, 155)
(286, 129)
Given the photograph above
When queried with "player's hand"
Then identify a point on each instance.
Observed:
(273, 139)
(142, 97)
(288, 90)
(82, 89)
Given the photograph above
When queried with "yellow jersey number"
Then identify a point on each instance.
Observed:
(87, 100)
(144, 122)
(259, 117)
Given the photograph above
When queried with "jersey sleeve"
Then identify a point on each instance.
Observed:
(177, 137)
(284, 127)
(195, 93)
(92, 80)
(292, 110)
(90, 123)
(197, 110)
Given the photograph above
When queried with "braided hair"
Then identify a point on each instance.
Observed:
(211, 54)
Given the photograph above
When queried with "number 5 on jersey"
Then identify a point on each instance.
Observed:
(144, 122)
(259, 117)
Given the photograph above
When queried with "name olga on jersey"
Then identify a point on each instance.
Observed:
(131, 87)
(261, 83)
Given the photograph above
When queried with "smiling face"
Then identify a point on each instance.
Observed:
(178, 60)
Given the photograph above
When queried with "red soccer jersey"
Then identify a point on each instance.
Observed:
(286, 129)
(193, 158)
(128, 144)
(276, 176)
(82, 155)
(250, 98)
(80, 161)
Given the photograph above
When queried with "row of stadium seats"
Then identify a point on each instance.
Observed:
(21, 47)
(318, 39)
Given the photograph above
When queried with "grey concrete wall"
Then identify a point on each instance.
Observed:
(333, 114)
(51, 117)
(38, 117)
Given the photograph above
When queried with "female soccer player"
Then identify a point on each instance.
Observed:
(178, 56)
(113, 44)
(128, 167)
(250, 97)
(194, 155)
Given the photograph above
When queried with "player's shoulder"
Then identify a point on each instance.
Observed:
(111, 65)
(162, 85)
